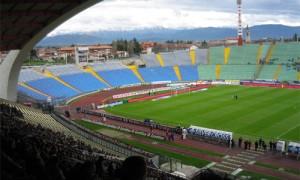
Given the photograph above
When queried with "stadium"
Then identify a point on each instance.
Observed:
(221, 112)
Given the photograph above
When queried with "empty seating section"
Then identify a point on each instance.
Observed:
(243, 54)
(216, 55)
(31, 93)
(237, 72)
(285, 53)
(29, 75)
(189, 73)
(153, 74)
(83, 81)
(267, 72)
(112, 65)
(201, 56)
(64, 69)
(169, 58)
(208, 65)
(150, 60)
(176, 58)
(119, 77)
(52, 88)
(207, 72)
(288, 73)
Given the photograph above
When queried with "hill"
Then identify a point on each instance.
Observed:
(159, 35)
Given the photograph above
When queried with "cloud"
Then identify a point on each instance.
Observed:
(137, 14)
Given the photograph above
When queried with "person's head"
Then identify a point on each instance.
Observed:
(134, 168)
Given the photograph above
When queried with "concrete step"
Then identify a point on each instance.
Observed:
(220, 170)
(226, 167)
(258, 152)
(235, 161)
(237, 171)
(249, 154)
(230, 164)
(249, 157)
(240, 159)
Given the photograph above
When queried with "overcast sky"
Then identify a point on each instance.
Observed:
(137, 14)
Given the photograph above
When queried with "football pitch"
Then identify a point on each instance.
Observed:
(271, 113)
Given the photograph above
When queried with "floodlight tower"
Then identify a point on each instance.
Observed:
(240, 28)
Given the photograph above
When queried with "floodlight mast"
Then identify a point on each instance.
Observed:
(240, 28)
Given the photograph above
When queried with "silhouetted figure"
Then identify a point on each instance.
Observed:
(240, 142)
(271, 145)
(274, 146)
(256, 145)
(134, 168)
(245, 145)
(249, 144)
(264, 146)
(260, 142)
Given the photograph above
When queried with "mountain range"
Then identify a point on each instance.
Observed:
(162, 34)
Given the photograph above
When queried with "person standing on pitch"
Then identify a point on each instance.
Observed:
(256, 145)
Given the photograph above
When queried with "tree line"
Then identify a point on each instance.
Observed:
(132, 46)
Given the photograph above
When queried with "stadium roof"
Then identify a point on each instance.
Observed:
(22, 19)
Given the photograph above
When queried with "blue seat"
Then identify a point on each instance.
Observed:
(189, 73)
(31, 93)
(152, 74)
(53, 88)
(119, 77)
(84, 82)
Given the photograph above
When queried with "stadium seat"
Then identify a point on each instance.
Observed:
(238, 72)
(207, 72)
(83, 81)
(150, 60)
(285, 53)
(53, 88)
(243, 54)
(31, 93)
(119, 77)
(153, 74)
(216, 55)
(201, 56)
(267, 72)
(189, 73)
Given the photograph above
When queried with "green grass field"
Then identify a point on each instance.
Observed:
(270, 113)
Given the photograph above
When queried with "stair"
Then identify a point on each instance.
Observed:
(259, 53)
(259, 68)
(269, 53)
(32, 89)
(277, 72)
(177, 72)
(226, 54)
(49, 74)
(221, 170)
(160, 59)
(135, 71)
(90, 70)
(193, 56)
(218, 71)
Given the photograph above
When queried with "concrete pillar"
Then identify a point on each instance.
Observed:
(11, 66)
